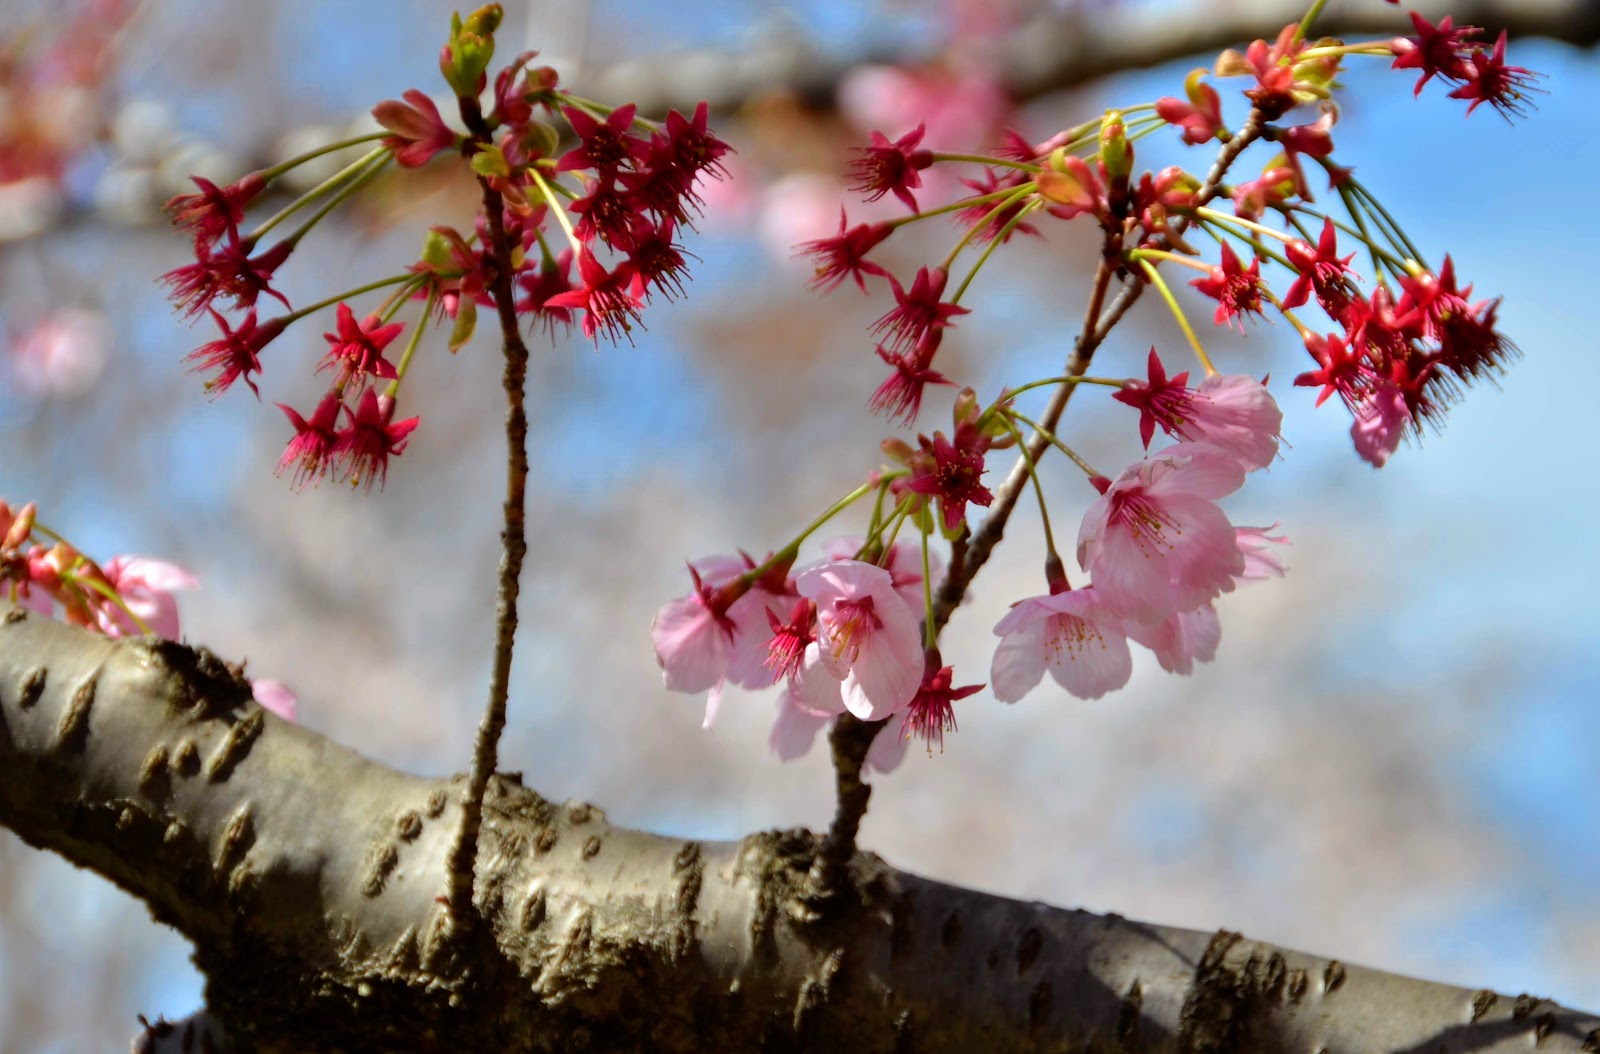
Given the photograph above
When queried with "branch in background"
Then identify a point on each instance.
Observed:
(306, 877)
(1053, 52)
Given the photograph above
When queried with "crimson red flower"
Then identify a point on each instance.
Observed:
(551, 279)
(900, 395)
(1436, 50)
(984, 212)
(918, 311)
(1339, 368)
(357, 348)
(606, 146)
(845, 255)
(657, 259)
(691, 146)
(235, 353)
(1160, 400)
(608, 304)
(1236, 289)
(229, 271)
(364, 448)
(1200, 117)
(312, 448)
(419, 131)
(886, 167)
(1320, 269)
(607, 212)
(950, 471)
(930, 714)
(215, 211)
(1491, 81)
(787, 649)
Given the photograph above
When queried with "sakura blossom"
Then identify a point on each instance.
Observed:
(868, 637)
(1181, 639)
(146, 587)
(1071, 634)
(1155, 542)
(1232, 412)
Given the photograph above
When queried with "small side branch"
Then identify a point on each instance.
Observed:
(513, 542)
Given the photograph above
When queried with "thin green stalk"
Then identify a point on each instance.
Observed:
(1177, 313)
(340, 177)
(1050, 438)
(988, 250)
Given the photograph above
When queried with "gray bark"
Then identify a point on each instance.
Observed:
(309, 878)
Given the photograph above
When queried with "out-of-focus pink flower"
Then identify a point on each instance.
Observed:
(1381, 419)
(867, 637)
(419, 131)
(62, 355)
(1071, 634)
(1260, 559)
(1181, 639)
(275, 696)
(1155, 542)
(146, 586)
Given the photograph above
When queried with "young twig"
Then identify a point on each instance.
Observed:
(485, 752)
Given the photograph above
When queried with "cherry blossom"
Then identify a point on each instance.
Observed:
(867, 636)
(1072, 634)
(1181, 639)
(146, 587)
(1155, 542)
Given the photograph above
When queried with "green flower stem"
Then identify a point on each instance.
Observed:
(790, 551)
(981, 159)
(1388, 219)
(1177, 313)
(345, 175)
(382, 283)
(110, 594)
(955, 206)
(411, 346)
(1238, 221)
(556, 210)
(1311, 16)
(374, 163)
(1050, 438)
(396, 300)
(1038, 489)
(930, 636)
(281, 167)
(1000, 236)
(1177, 258)
(1106, 382)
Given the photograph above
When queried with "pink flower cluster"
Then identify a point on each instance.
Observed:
(124, 597)
(841, 635)
(1157, 547)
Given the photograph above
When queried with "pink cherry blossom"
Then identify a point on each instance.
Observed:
(1181, 639)
(1156, 542)
(1259, 559)
(693, 639)
(904, 565)
(1381, 419)
(275, 696)
(1233, 412)
(868, 638)
(146, 586)
(1072, 634)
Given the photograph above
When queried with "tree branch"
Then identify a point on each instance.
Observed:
(306, 877)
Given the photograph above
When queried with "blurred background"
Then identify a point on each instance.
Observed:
(1394, 759)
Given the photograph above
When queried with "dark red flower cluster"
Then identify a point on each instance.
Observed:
(1400, 363)
(1456, 54)
(637, 190)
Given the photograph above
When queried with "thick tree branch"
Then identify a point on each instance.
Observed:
(307, 878)
(1053, 52)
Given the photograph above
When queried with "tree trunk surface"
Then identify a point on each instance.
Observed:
(310, 879)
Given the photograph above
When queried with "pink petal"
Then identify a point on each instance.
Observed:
(275, 696)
